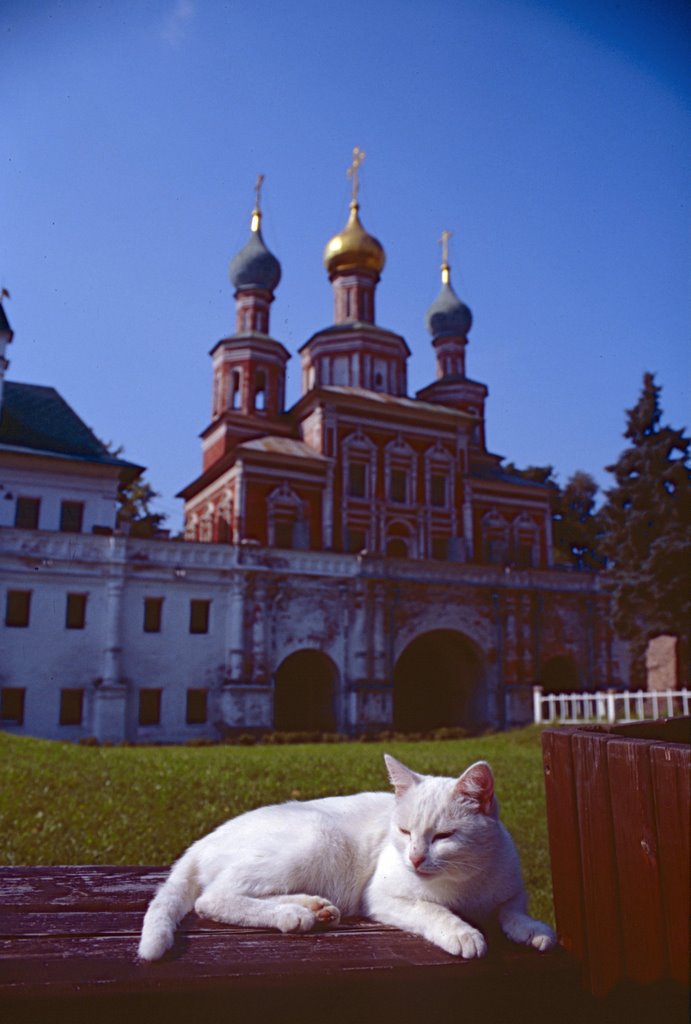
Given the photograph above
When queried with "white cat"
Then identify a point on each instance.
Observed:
(428, 861)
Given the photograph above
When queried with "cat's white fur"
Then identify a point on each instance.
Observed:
(428, 860)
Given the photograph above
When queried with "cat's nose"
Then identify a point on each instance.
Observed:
(416, 859)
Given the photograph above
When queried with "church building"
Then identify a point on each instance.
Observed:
(355, 563)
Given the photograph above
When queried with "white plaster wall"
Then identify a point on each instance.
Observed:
(362, 613)
(99, 495)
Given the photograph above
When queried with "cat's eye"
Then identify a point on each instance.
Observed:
(404, 831)
(442, 835)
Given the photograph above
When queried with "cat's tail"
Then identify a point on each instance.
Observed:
(173, 900)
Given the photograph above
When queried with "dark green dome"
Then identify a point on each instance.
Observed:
(448, 315)
(254, 266)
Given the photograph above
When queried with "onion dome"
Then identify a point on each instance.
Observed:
(254, 266)
(353, 250)
(447, 314)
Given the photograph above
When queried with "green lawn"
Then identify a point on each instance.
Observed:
(66, 804)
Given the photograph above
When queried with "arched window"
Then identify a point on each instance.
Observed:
(495, 539)
(260, 391)
(235, 389)
(400, 472)
(288, 526)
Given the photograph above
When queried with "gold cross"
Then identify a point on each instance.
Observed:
(445, 236)
(352, 172)
(256, 212)
(257, 190)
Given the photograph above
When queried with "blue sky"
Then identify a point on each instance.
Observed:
(552, 139)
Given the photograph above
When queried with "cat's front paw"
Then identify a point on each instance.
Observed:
(294, 918)
(461, 940)
(530, 932)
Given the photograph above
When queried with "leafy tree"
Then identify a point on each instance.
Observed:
(646, 527)
(135, 496)
(575, 530)
(135, 512)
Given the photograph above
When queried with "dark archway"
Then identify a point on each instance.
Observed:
(560, 675)
(438, 682)
(304, 693)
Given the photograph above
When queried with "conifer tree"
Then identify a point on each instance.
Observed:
(646, 528)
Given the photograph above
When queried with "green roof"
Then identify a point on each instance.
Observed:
(38, 418)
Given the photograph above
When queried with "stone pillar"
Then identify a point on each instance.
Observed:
(496, 698)
(328, 510)
(380, 667)
(110, 697)
(235, 621)
(260, 615)
(357, 668)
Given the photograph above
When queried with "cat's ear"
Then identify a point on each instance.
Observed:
(477, 784)
(402, 778)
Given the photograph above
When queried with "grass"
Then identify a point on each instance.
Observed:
(66, 804)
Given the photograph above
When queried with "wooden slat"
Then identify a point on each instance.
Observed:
(638, 875)
(85, 887)
(604, 961)
(671, 765)
(562, 824)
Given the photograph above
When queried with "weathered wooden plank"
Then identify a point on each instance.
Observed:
(28, 923)
(604, 961)
(671, 766)
(638, 874)
(519, 985)
(61, 963)
(562, 825)
(81, 886)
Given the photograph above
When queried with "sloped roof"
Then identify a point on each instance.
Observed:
(38, 419)
(282, 446)
(496, 473)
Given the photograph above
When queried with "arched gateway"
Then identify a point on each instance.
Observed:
(305, 693)
(438, 682)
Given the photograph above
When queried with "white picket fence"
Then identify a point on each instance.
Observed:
(609, 706)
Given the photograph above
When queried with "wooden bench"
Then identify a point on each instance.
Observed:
(68, 953)
(68, 939)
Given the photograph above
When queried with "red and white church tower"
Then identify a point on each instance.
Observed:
(356, 464)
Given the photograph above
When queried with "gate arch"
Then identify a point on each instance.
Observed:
(305, 685)
(560, 675)
(438, 681)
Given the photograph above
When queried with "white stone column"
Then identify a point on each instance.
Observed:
(235, 619)
(110, 698)
(260, 615)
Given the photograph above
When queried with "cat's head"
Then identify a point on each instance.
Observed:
(443, 825)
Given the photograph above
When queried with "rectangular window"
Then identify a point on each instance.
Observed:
(283, 533)
(440, 548)
(26, 513)
(357, 477)
(438, 490)
(150, 707)
(199, 616)
(399, 485)
(18, 608)
(355, 541)
(75, 614)
(71, 516)
(524, 554)
(196, 707)
(12, 704)
(153, 614)
(71, 707)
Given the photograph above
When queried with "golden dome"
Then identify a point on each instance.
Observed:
(353, 249)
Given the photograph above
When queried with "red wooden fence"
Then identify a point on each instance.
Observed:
(618, 818)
